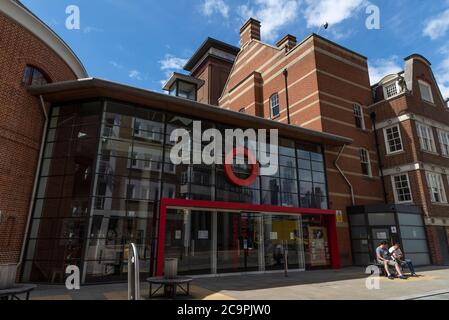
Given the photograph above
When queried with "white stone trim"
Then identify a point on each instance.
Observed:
(412, 116)
(24, 17)
(444, 222)
(416, 166)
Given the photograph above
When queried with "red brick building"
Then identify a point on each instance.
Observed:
(412, 122)
(88, 173)
(31, 53)
(323, 86)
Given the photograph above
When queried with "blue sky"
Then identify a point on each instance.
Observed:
(140, 42)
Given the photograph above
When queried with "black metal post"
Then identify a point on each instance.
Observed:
(379, 158)
(286, 95)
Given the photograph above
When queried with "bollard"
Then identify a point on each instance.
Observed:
(133, 273)
(286, 259)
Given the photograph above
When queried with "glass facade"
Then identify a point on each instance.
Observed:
(105, 167)
(211, 242)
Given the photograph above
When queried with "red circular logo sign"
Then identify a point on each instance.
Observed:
(240, 151)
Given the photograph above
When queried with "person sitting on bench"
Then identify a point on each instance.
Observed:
(383, 257)
(398, 256)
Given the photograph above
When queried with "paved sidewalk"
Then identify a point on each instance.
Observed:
(344, 284)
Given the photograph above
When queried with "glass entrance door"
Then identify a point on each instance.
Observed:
(238, 242)
(189, 238)
(283, 241)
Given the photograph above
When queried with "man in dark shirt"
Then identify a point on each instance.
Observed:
(382, 256)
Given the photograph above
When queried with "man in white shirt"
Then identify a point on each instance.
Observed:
(398, 256)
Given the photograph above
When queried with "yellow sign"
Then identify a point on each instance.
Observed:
(339, 216)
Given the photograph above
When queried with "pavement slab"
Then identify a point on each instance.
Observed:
(344, 284)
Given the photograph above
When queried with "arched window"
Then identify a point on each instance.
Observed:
(34, 77)
(274, 105)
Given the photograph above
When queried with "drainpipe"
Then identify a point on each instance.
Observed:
(286, 95)
(379, 158)
(36, 180)
(351, 188)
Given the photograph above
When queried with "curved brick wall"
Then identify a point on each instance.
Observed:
(21, 125)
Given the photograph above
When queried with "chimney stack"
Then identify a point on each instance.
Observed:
(249, 31)
(288, 42)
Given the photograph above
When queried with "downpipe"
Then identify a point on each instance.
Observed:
(351, 188)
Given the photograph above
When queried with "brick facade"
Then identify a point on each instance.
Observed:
(21, 125)
(406, 110)
(324, 81)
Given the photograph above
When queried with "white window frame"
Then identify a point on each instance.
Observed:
(429, 88)
(435, 183)
(387, 142)
(358, 114)
(422, 128)
(273, 105)
(443, 137)
(385, 86)
(366, 161)
(395, 190)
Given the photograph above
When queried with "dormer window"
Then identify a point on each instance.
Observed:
(186, 90)
(183, 86)
(426, 91)
(391, 90)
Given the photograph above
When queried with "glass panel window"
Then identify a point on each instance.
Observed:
(274, 105)
(436, 188)
(401, 187)
(426, 91)
(393, 140)
(187, 90)
(444, 142)
(365, 162)
(391, 90)
(358, 116)
(425, 135)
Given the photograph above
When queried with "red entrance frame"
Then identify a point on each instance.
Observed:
(166, 203)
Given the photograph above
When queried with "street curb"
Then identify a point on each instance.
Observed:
(424, 295)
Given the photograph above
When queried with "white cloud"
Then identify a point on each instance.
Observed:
(331, 11)
(90, 29)
(115, 64)
(380, 68)
(135, 74)
(171, 62)
(437, 26)
(273, 15)
(210, 7)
